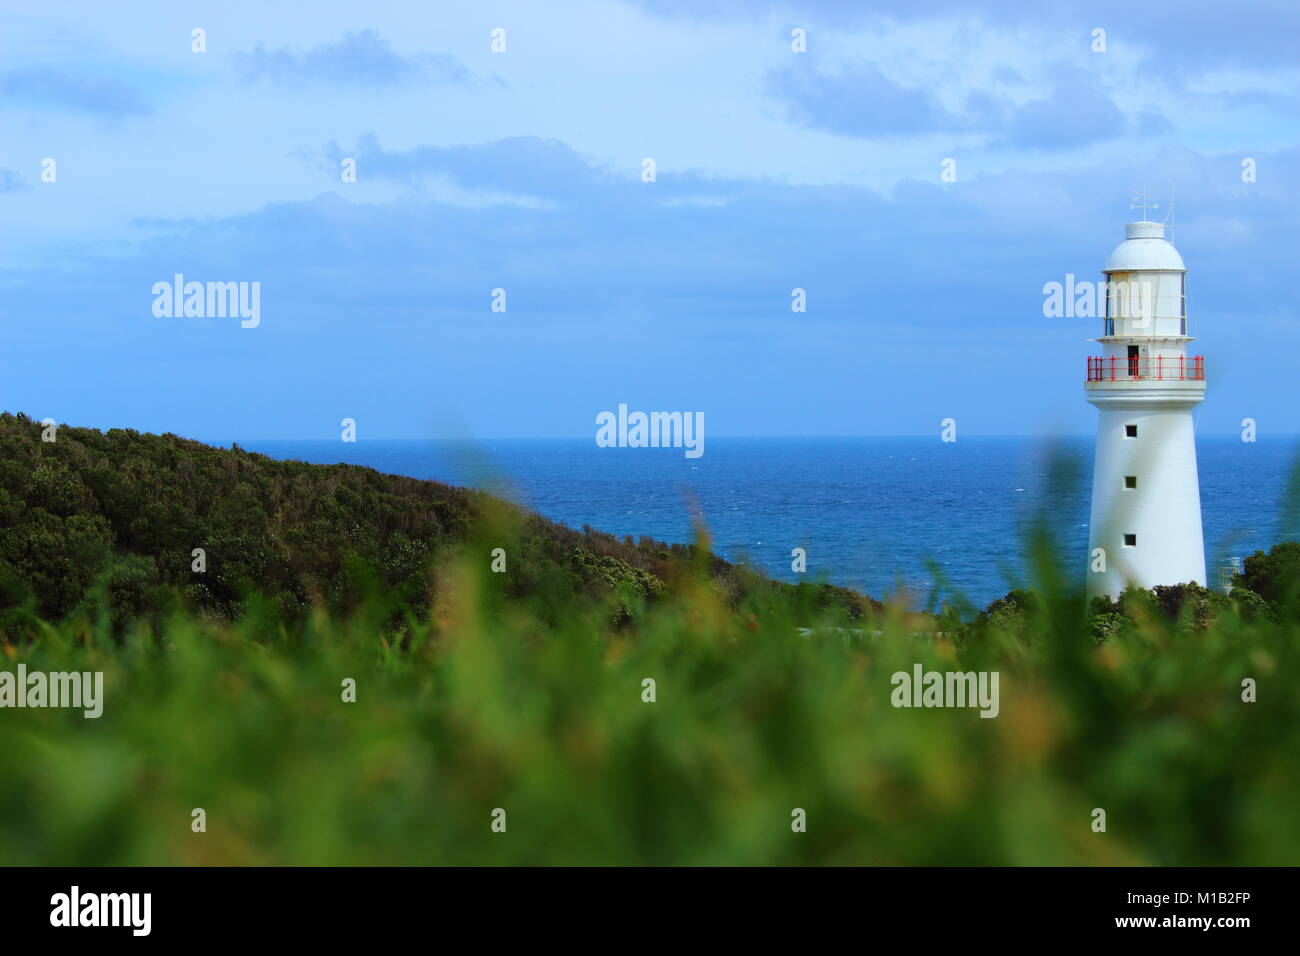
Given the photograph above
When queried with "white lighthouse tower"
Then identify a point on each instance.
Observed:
(1146, 502)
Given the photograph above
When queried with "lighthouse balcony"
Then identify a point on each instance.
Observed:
(1160, 368)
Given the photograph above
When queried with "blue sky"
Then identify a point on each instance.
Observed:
(522, 170)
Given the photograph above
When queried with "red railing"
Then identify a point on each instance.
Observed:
(1117, 368)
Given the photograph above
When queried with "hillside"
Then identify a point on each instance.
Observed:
(109, 522)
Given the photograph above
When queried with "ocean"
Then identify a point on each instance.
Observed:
(880, 515)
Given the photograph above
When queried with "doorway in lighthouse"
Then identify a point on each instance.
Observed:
(1133, 353)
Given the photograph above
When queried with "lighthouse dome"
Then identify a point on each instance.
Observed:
(1144, 248)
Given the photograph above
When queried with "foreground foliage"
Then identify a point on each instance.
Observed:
(483, 707)
(525, 691)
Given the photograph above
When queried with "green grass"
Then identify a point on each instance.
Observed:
(483, 706)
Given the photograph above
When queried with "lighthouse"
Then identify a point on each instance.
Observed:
(1145, 526)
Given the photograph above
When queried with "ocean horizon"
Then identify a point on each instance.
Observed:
(880, 515)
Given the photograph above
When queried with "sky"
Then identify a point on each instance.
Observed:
(522, 169)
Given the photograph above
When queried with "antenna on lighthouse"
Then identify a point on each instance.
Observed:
(1169, 215)
(1142, 201)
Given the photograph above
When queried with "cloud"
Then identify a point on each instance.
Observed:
(10, 181)
(529, 166)
(934, 252)
(862, 102)
(362, 58)
(1179, 37)
(43, 86)
(1076, 113)
(380, 310)
(522, 164)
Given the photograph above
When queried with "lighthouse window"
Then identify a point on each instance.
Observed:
(1130, 541)
(1130, 431)
(1130, 481)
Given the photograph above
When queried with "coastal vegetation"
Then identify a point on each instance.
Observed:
(371, 669)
